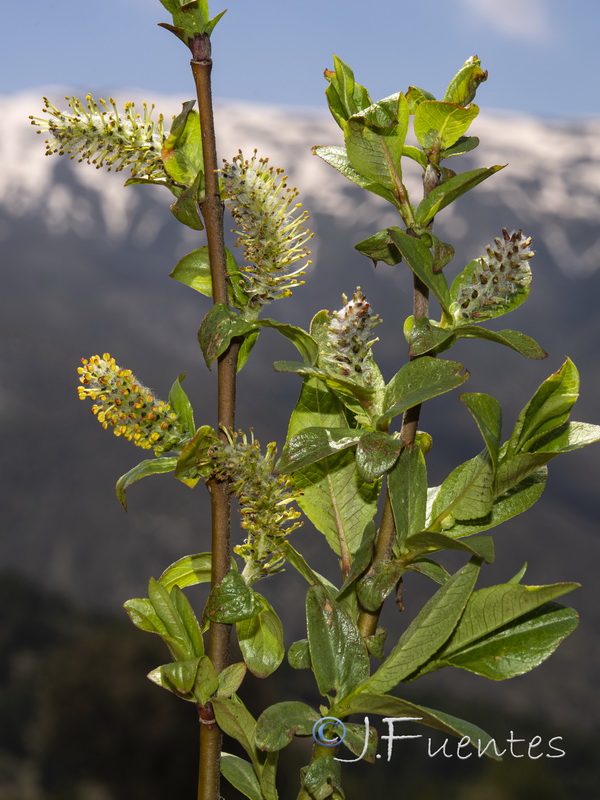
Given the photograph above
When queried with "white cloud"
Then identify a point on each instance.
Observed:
(516, 19)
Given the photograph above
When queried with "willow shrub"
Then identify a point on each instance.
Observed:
(353, 445)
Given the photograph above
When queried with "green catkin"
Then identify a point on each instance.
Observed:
(269, 228)
(98, 133)
(264, 502)
(495, 282)
(349, 337)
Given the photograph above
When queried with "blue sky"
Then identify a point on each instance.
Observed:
(542, 55)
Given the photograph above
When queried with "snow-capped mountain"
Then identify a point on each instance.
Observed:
(552, 181)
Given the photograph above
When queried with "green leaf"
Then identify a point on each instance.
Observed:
(423, 336)
(439, 125)
(467, 493)
(337, 158)
(463, 85)
(519, 342)
(418, 381)
(179, 402)
(181, 645)
(323, 778)
(261, 640)
(196, 9)
(299, 563)
(314, 444)
(177, 677)
(416, 96)
(362, 559)
(230, 679)
(171, 5)
(376, 453)
(519, 576)
(246, 348)
(152, 466)
(241, 775)
(430, 542)
(419, 258)
(189, 571)
(374, 139)
(355, 742)
(389, 706)
(193, 270)
(494, 607)
(443, 253)
(303, 341)
(448, 191)
(431, 569)
(182, 150)
(427, 633)
(299, 655)
(569, 436)
(190, 19)
(278, 724)
(232, 600)
(377, 583)
(338, 654)
(188, 620)
(236, 721)
(349, 386)
(186, 208)
(463, 145)
(207, 681)
(520, 647)
(512, 471)
(143, 615)
(492, 611)
(218, 328)
(380, 247)
(407, 489)
(194, 680)
(345, 97)
(376, 643)
(508, 505)
(334, 497)
(195, 461)
(487, 413)
(548, 409)
(416, 154)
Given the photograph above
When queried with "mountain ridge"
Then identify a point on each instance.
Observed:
(553, 179)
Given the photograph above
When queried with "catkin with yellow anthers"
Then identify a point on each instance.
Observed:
(270, 228)
(98, 133)
(494, 283)
(127, 406)
(349, 337)
(264, 500)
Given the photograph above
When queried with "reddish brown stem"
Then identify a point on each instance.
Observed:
(212, 214)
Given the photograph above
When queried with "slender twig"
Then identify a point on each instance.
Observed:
(212, 213)
(368, 620)
(212, 206)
